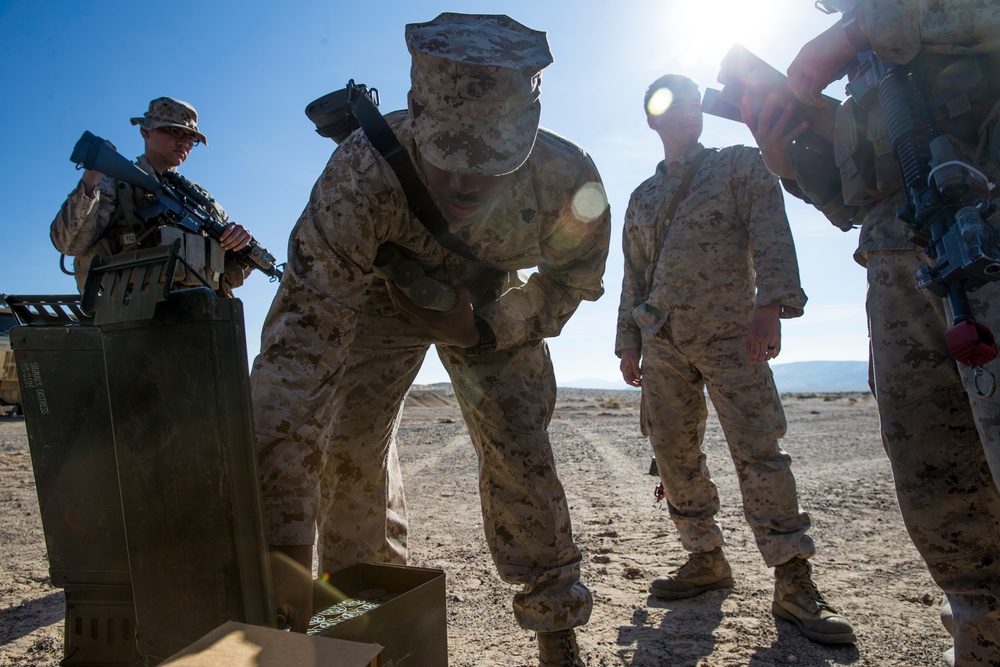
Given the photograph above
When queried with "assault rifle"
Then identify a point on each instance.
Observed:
(745, 76)
(948, 202)
(947, 199)
(179, 202)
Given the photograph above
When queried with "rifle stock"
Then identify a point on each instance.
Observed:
(91, 152)
(179, 202)
(744, 75)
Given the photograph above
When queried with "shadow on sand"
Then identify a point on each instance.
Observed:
(30, 615)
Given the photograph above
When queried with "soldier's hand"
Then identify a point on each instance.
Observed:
(234, 237)
(631, 371)
(818, 62)
(456, 327)
(771, 132)
(92, 178)
(764, 337)
(292, 585)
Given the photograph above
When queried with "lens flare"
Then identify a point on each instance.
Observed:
(589, 202)
(660, 101)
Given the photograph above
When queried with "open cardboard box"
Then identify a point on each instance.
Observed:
(235, 644)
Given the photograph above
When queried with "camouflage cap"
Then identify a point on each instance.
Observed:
(168, 112)
(476, 82)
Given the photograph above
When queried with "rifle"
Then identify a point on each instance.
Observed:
(744, 75)
(947, 199)
(179, 202)
(947, 203)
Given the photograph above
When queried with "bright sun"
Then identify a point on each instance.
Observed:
(707, 29)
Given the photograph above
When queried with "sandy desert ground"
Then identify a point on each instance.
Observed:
(865, 562)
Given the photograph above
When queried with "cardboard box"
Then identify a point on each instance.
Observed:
(401, 608)
(235, 644)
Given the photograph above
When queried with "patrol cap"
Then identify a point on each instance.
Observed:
(475, 88)
(168, 112)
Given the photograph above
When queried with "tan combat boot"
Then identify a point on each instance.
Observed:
(558, 649)
(948, 621)
(797, 599)
(704, 571)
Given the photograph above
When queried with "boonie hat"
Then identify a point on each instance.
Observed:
(168, 112)
(476, 83)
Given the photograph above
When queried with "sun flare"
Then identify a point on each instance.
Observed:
(706, 30)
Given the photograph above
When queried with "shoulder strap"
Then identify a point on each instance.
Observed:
(417, 196)
(667, 215)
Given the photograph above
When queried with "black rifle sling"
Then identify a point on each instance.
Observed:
(667, 214)
(419, 199)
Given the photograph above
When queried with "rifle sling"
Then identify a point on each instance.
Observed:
(417, 197)
(667, 214)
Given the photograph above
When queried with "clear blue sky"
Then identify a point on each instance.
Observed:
(250, 68)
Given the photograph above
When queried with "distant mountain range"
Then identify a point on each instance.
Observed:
(796, 377)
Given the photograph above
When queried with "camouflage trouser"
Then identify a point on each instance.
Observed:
(929, 419)
(674, 413)
(507, 398)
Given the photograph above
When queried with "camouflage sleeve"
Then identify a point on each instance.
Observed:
(235, 275)
(574, 249)
(762, 208)
(900, 30)
(634, 287)
(81, 219)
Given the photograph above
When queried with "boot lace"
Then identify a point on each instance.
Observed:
(558, 649)
(694, 564)
(799, 577)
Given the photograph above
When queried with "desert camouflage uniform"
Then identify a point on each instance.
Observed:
(78, 231)
(337, 360)
(938, 433)
(81, 228)
(727, 251)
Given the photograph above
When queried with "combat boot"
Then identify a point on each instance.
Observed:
(558, 649)
(948, 621)
(704, 571)
(797, 599)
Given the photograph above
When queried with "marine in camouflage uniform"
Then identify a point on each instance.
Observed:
(708, 274)
(99, 215)
(942, 438)
(341, 347)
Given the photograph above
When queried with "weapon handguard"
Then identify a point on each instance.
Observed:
(179, 201)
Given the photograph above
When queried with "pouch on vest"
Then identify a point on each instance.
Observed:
(205, 257)
(854, 154)
(818, 177)
(648, 318)
(887, 176)
(989, 138)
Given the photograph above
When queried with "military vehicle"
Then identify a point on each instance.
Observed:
(10, 392)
